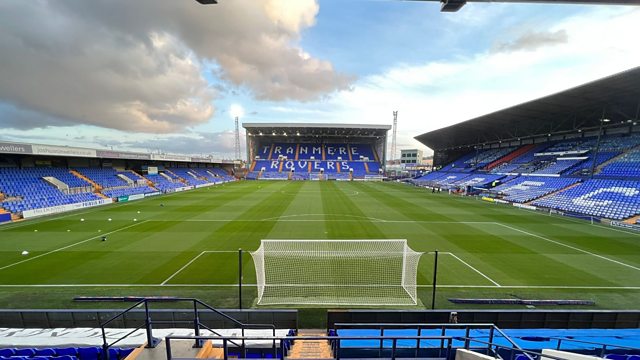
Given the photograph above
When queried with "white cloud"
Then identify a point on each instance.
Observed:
(292, 15)
(220, 144)
(438, 94)
(140, 65)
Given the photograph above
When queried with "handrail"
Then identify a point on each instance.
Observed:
(491, 327)
(197, 324)
(593, 343)
(415, 324)
(216, 333)
(122, 312)
(235, 321)
(602, 345)
(394, 339)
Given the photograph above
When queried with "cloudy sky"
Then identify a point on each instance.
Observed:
(167, 75)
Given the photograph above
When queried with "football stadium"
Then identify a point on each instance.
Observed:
(521, 243)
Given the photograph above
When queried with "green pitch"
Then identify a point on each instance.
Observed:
(189, 246)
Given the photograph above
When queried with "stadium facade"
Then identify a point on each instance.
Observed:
(300, 151)
(574, 153)
(37, 180)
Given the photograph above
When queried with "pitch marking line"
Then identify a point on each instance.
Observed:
(184, 267)
(571, 247)
(193, 260)
(474, 269)
(281, 218)
(352, 192)
(71, 245)
(560, 287)
(332, 220)
(47, 218)
(560, 217)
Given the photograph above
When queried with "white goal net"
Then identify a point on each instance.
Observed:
(336, 272)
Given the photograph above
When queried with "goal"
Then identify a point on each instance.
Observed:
(336, 272)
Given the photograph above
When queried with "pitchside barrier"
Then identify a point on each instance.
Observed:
(163, 318)
(505, 319)
(4, 217)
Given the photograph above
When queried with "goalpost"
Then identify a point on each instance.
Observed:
(336, 272)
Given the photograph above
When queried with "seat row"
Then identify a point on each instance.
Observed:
(66, 353)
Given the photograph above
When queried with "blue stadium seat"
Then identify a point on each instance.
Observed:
(611, 199)
(335, 160)
(89, 353)
(65, 357)
(69, 351)
(27, 189)
(28, 352)
(45, 352)
(616, 357)
(527, 188)
(41, 358)
(7, 352)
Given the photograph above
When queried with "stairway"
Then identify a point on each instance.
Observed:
(208, 351)
(311, 349)
(138, 177)
(632, 220)
(180, 349)
(375, 155)
(553, 193)
(93, 183)
(614, 159)
(510, 156)
(177, 177)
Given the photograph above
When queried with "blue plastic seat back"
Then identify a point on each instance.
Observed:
(45, 352)
(616, 357)
(65, 357)
(125, 352)
(28, 352)
(89, 353)
(7, 352)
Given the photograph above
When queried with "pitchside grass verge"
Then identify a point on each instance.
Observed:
(186, 244)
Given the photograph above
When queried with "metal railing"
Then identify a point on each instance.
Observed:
(446, 351)
(603, 347)
(443, 327)
(197, 324)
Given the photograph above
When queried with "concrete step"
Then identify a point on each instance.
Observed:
(311, 349)
(614, 159)
(553, 193)
(208, 351)
(180, 349)
(632, 220)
